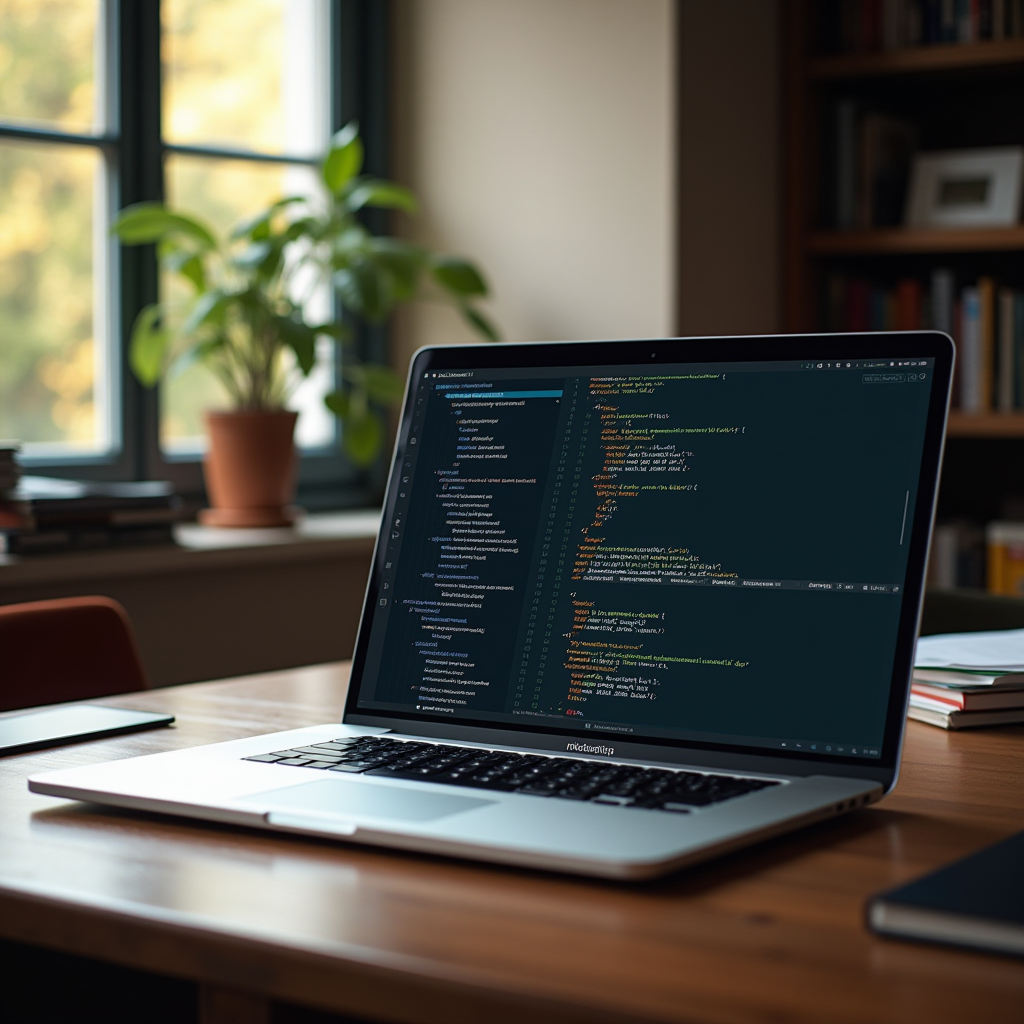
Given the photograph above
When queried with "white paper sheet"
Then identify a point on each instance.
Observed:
(997, 651)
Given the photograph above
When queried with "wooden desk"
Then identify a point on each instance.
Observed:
(769, 934)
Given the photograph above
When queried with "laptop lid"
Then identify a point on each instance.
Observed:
(698, 550)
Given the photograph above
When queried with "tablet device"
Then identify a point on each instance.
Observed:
(36, 730)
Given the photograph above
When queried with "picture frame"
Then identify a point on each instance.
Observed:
(966, 188)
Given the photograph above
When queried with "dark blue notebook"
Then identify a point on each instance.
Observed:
(976, 902)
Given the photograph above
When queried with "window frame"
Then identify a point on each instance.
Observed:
(134, 151)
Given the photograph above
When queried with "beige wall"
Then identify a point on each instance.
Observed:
(729, 185)
(539, 137)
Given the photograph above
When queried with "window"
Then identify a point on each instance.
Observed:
(216, 106)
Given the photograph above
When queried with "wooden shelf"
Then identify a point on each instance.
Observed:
(985, 424)
(883, 241)
(917, 59)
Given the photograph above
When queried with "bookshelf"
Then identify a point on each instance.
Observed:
(953, 95)
(982, 425)
(883, 241)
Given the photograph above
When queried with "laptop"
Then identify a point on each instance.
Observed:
(632, 604)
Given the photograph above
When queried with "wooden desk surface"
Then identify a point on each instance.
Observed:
(769, 934)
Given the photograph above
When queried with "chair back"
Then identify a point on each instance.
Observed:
(72, 648)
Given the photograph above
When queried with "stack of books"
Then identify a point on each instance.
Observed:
(969, 679)
(10, 470)
(43, 515)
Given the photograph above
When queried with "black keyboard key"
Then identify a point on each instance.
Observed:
(263, 757)
(299, 762)
(343, 767)
(401, 772)
(498, 783)
(539, 788)
(614, 801)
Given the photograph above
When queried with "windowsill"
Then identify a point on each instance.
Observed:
(318, 536)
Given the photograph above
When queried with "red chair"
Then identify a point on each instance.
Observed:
(73, 648)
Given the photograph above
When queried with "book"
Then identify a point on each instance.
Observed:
(57, 540)
(943, 555)
(971, 387)
(987, 330)
(42, 493)
(44, 514)
(908, 305)
(941, 698)
(887, 147)
(954, 719)
(1005, 374)
(858, 305)
(977, 902)
(1004, 546)
(1018, 349)
(10, 470)
(846, 164)
(970, 680)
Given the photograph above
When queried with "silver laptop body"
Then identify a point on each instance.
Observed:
(632, 604)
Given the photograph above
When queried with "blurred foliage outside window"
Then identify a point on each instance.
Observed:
(53, 352)
(238, 75)
(245, 75)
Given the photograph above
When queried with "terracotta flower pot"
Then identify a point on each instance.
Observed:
(250, 468)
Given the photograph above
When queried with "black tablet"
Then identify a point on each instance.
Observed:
(34, 730)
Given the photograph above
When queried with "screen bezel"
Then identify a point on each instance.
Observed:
(657, 352)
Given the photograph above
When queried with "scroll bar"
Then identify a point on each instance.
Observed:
(903, 528)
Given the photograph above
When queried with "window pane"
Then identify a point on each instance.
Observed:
(53, 374)
(246, 73)
(48, 61)
(221, 193)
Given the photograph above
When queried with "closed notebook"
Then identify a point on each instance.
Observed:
(976, 902)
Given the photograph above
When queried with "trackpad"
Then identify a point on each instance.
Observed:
(355, 800)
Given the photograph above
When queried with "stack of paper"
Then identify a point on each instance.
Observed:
(968, 679)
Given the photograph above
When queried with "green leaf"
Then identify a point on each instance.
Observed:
(362, 438)
(480, 323)
(458, 276)
(381, 194)
(383, 384)
(188, 264)
(196, 354)
(348, 245)
(338, 403)
(298, 228)
(333, 329)
(349, 405)
(253, 255)
(402, 260)
(364, 289)
(144, 223)
(345, 158)
(301, 339)
(209, 308)
(148, 345)
(271, 263)
(257, 227)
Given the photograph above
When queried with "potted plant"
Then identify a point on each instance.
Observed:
(242, 312)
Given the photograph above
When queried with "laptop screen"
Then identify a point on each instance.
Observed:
(709, 553)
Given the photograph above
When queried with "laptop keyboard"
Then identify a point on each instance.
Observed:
(567, 778)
